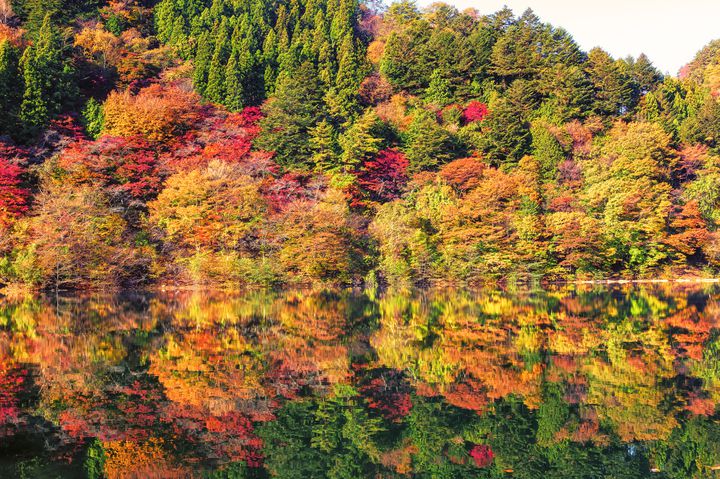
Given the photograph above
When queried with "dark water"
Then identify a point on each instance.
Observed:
(571, 383)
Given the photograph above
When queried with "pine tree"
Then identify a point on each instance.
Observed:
(342, 97)
(10, 87)
(439, 91)
(215, 91)
(645, 74)
(47, 76)
(291, 115)
(234, 93)
(325, 147)
(614, 90)
(360, 142)
(506, 137)
(546, 150)
(93, 118)
(428, 145)
(202, 63)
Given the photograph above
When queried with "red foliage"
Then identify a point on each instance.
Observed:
(128, 164)
(482, 455)
(68, 127)
(389, 394)
(475, 111)
(13, 198)
(384, 177)
(291, 186)
(11, 383)
(250, 117)
(692, 158)
(218, 137)
(563, 204)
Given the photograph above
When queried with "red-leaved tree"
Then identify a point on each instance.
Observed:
(482, 455)
(474, 111)
(382, 178)
(126, 165)
(13, 198)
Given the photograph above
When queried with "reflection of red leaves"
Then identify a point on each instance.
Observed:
(11, 383)
(482, 455)
(700, 406)
(389, 394)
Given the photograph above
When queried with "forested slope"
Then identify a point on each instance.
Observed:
(271, 142)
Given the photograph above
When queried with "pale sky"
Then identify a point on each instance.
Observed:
(669, 32)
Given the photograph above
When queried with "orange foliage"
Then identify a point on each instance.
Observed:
(130, 460)
(157, 112)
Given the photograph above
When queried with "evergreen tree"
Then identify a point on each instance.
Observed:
(506, 137)
(215, 91)
(615, 93)
(360, 142)
(645, 74)
(47, 76)
(291, 115)
(93, 118)
(439, 91)
(428, 144)
(342, 97)
(547, 151)
(406, 62)
(202, 63)
(325, 147)
(10, 87)
(234, 92)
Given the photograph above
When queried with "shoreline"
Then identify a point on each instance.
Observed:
(646, 281)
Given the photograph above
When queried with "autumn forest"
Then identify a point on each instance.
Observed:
(278, 142)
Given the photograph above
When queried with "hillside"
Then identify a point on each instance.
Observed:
(266, 142)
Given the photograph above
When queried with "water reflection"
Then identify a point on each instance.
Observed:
(593, 382)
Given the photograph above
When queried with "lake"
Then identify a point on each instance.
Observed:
(571, 382)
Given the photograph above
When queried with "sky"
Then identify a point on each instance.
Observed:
(669, 32)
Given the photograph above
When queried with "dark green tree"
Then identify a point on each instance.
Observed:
(47, 77)
(428, 144)
(10, 88)
(291, 115)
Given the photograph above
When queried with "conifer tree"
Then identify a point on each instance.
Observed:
(439, 91)
(325, 147)
(291, 115)
(215, 91)
(428, 145)
(360, 142)
(234, 93)
(10, 87)
(93, 118)
(546, 150)
(47, 77)
(202, 63)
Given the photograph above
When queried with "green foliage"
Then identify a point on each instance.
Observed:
(291, 115)
(47, 78)
(428, 144)
(95, 460)
(93, 118)
(10, 87)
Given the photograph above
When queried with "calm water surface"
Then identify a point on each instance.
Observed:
(571, 383)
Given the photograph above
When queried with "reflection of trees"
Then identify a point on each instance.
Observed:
(403, 383)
